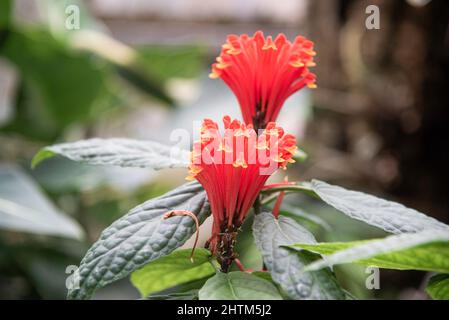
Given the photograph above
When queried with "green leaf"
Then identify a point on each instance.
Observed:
(118, 152)
(139, 237)
(155, 65)
(43, 263)
(238, 286)
(426, 250)
(69, 85)
(90, 37)
(300, 155)
(301, 214)
(438, 287)
(5, 14)
(185, 291)
(23, 207)
(167, 62)
(128, 62)
(286, 265)
(387, 215)
(263, 274)
(53, 176)
(41, 156)
(172, 270)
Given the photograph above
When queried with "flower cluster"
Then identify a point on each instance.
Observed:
(263, 72)
(233, 168)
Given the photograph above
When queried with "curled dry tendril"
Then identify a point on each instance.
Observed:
(190, 214)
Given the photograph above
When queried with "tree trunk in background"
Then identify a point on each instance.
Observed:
(382, 100)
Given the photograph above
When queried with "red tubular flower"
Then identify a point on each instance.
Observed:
(233, 168)
(263, 73)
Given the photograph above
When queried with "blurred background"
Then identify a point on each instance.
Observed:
(138, 69)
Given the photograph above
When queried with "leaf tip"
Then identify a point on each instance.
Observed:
(300, 155)
(41, 156)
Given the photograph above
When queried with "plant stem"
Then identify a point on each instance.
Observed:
(291, 188)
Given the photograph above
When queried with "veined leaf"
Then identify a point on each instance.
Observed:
(238, 286)
(426, 250)
(118, 152)
(172, 270)
(438, 287)
(387, 215)
(23, 207)
(286, 265)
(139, 237)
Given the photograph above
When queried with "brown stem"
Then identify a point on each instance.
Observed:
(259, 119)
(191, 215)
(226, 245)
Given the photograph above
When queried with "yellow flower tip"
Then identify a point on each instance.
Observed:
(297, 64)
(224, 147)
(234, 51)
(292, 150)
(262, 146)
(214, 75)
(242, 132)
(312, 86)
(272, 132)
(208, 134)
(268, 47)
(311, 64)
(291, 160)
(311, 53)
(194, 170)
(190, 178)
(269, 44)
(222, 65)
(240, 164)
(278, 159)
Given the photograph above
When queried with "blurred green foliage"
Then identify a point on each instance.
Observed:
(167, 62)
(5, 13)
(61, 88)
